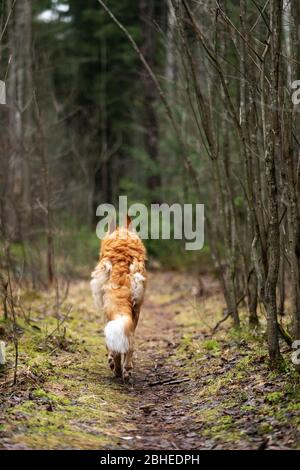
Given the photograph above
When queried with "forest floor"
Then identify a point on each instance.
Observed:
(192, 389)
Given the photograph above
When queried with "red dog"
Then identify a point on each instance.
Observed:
(118, 286)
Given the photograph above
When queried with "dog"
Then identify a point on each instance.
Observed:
(118, 287)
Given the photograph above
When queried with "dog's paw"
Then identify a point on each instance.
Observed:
(111, 362)
(127, 375)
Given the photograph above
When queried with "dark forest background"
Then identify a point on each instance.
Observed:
(92, 125)
(213, 122)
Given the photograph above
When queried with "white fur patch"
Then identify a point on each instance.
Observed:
(138, 277)
(137, 288)
(96, 286)
(99, 277)
(116, 338)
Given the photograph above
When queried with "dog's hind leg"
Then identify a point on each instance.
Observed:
(128, 365)
(114, 362)
(111, 360)
(118, 365)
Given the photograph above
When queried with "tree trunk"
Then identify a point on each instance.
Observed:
(20, 123)
(290, 158)
(272, 136)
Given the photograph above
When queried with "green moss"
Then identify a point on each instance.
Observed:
(72, 410)
(211, 345)
(265, 428)
(208, 415)
(293, 407)
(248, 408)
(73, 400)
(274, 397)
(27, 406)
(222, 429)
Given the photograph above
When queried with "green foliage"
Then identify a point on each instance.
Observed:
(211, 345)
(77, 250)
(274, 397)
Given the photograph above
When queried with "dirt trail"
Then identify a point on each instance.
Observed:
(190, 391)
(161, 410)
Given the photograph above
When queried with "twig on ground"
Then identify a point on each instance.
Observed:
(168, 382)
(228, 314)
(59, 324)
(284, 334)
(220, 323)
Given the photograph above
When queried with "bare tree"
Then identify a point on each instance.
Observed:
(20, 124)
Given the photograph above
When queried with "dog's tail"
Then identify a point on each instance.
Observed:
(118, 334)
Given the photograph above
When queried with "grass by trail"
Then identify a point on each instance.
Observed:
(191, 390)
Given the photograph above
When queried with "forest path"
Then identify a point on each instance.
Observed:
(191, 390)
(162, 411)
